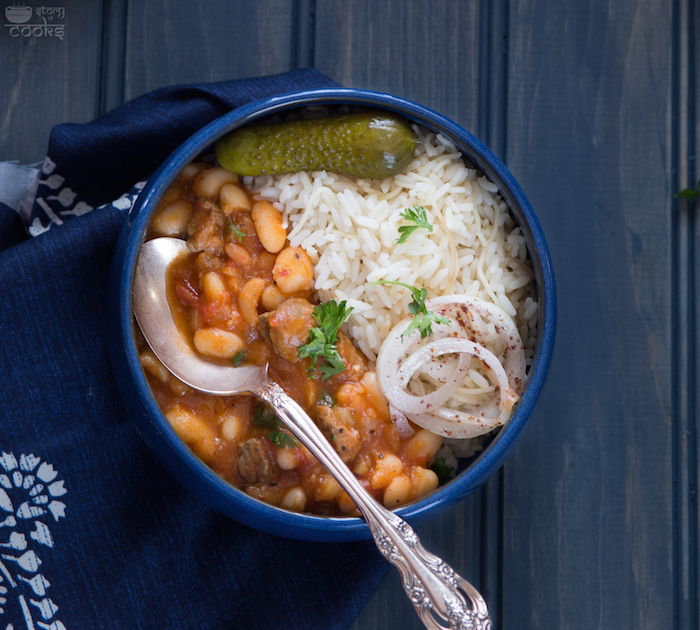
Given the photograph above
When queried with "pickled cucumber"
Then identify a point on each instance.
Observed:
(371, 145)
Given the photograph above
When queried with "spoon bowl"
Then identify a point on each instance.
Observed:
(153, 314)
(441, 598)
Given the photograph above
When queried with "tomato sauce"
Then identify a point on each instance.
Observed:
(240, 304)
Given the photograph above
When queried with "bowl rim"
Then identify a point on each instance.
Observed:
(306, 526)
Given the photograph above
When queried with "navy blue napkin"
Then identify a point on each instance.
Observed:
(93, 532)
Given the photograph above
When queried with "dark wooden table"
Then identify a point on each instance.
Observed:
(593, 107)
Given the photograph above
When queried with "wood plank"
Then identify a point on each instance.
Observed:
(175, 42)
(425, 51)
(685, 323)
(693, 117)
(588, 523)
(114, 26)
(47, 80)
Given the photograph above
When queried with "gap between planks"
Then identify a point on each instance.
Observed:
(684, 317)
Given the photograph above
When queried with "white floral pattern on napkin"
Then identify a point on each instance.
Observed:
(31, 498)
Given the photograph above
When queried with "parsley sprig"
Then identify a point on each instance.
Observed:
(443, 471)
(416, 215)
(232, 232)
(423, 319)
(282, 439)
(265, 418)
(322, 338)
(689, 193)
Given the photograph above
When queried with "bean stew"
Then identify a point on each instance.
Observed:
(244, 296)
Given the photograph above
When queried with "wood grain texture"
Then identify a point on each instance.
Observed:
(423, 51)
(685, 324)
(173, 42)
(47, 81)
(588, 498)
(692, 107)
(113, 54)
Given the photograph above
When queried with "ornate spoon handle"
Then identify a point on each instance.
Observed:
(441, 597)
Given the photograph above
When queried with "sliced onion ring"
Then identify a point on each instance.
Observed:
(410, 403)
(453, 423)
(468, 427)
(457, 307)
(401, 423)
(429, 411)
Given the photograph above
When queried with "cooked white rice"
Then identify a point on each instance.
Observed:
(349, 228)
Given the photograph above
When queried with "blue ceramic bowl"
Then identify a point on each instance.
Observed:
(153, 426)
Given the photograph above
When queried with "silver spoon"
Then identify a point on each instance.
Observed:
(441, 597)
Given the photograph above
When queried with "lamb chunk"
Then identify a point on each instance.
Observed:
(287, 327)
(264, 326)
(337, 425)
(206, 261)
(354, 362)
(256, 462)
(205, 231)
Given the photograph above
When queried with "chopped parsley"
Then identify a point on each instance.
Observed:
(326, 399)
(263, 417)
(418, 217)
(423, 319)
(281, 439)
(231, 232)
(443, 471)
(266, 419)
(689, 193)
(239, 358)
(323, 338)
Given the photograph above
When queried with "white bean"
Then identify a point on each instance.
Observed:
(217, 343)
(293, 270)
(286, 458)
(214, 287)
(398, 491)
(172, 220)
(424, 481)
(424, 445)
(232, 427)
(294, 500)
(268, 226)
(272, 297)
(238, 254)
(248, 299)
(207, 184)
(153, 366)
(387, 467)
(327, 489)
(192, 430)
(233, 198)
